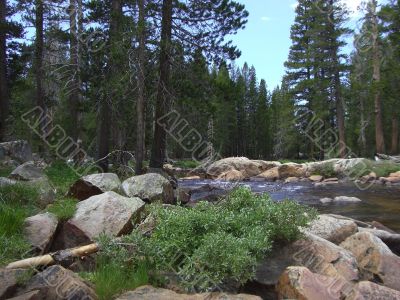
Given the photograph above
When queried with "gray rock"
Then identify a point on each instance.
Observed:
(366, 290)
(57, 283)
(107, 213)
(33, 295)
(376, 261)
(27, 171)
(347, 199)
(39, 230)
(95, 184)
(16, 150)
(326, 200)
(9, 282)
(6, 181)
(150, 188)
(332, 229)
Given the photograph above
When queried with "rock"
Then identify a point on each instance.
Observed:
(376, 261)
(7, 182)
(334, 180)
(183, 195)
(292, 180)
(248, 168)
(291, 170)
(347, 199)
(33, 295)
(39, 231)
(396, 174)
(148, 292)
(270, 175)
(16, 150)
(191, 178)
(57, 283)
(27, 172)
(150, 188)
(318, 255)
(346, 167)
(332, 229)
(9, 279)
(316, 178)
(392, 240)
(209, 192)
(231, 175)
(301, 284)
(391, 180)
(95, 184)
(107, 213)
(326, 200)
(46, 192)
(366, 290)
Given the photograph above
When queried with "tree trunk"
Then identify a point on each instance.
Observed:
(38, 63)
(395, 134)
(105, 107)
(74, 85)
(4, 101)
(379, 136)
(160, 140)
(363, 125)
(140, 106)
(340, 116)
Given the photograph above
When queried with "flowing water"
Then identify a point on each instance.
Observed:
(379, 203)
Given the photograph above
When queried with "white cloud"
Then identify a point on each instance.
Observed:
(352, 5)
(266, 19)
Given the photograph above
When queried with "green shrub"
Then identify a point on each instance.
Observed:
(63, 209)
(380, 168)
(210, 244)
(187, 164)
(5, 171)
(326, 169)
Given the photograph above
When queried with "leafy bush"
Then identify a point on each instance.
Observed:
(186, 164)
(63, 209)
(5, 171)
(381, 168)
(210, 245)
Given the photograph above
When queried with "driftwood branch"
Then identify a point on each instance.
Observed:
(50, 259)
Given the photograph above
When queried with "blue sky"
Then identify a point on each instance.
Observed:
(266, 40)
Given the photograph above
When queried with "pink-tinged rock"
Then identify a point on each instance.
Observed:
(39, 231)
(95, 184)
(366, 290)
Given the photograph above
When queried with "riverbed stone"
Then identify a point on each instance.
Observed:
(58, 283)
(231, 175)
(326, 200)
(366, 290)
(39, 231)
(95, 184)
(376, 261)
(292, 180)
(149, 187)
(346, 199)
(270, 175)
(316, 178)
(332, 229)
(108, 213)
(148, 292)
(291, 170)
(390, 238)
(301, 284)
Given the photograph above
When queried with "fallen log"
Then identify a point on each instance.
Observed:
(54, 258)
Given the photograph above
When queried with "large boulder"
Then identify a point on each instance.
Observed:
(19, 151)
(95, 184)
(376, 261)
(150, 187)
(33, 295)
(9, 279)
(352, 168)
(270, 175)
(333, 229)
(301, 284)
(7, 182)
(39, 231)
(107, 213)
(148, 292)
(291, 170)
(367, 290)
(318, 255)
(57, 283)
(391, 239)
(27, 172)
(247, 168)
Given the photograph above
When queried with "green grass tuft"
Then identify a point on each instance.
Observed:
(62, 176)
(186, 164)
(5, 171)
(63, 209)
